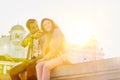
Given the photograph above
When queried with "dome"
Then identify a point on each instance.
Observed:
(17, 28)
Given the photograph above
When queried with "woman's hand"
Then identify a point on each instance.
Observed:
(39, 60)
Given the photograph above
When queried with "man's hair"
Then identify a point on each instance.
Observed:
(29, 21)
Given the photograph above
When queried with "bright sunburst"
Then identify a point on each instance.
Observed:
(80, 35)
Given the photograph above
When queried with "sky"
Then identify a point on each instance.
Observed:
(76, 18)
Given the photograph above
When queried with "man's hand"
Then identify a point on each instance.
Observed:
(37, 35)
(27, 40)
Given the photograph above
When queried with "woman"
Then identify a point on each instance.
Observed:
(53, 48)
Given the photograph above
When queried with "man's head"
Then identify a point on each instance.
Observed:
(32, 26)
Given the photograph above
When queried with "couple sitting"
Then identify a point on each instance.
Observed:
(46, 48)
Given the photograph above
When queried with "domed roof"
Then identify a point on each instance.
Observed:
(17, 27)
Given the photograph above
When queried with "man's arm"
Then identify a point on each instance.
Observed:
(27, 40)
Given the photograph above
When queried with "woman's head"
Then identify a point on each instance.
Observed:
(47, 25)
(32, 26)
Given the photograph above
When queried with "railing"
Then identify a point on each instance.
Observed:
(6, 65)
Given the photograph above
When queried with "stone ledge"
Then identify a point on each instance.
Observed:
(105, 69)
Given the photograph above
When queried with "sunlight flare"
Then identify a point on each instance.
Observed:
(80, 35)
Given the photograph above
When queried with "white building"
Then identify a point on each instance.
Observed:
(17, 34)
(11, 44)
(88, 52)
(4, 45)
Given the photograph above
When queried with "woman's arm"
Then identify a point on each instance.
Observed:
(54, 46)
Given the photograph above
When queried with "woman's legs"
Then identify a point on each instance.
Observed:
(50, 65)
(46, 73)
(39, 70)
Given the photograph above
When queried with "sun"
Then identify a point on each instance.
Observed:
(80, 35)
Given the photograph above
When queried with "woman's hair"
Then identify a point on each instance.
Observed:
(58, 43)
(52, 22)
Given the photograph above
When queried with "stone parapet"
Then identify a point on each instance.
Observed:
(105, 69)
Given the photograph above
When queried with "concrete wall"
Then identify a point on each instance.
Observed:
(105, 69)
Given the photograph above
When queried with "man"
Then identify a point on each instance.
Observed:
(31, 40)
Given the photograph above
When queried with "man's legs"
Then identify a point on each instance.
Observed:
(31, 72)
(14, 77)
(14, 72)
